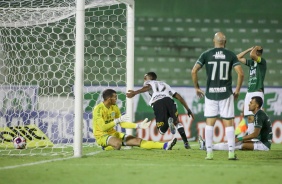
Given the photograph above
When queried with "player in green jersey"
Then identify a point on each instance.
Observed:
(219, 98)
(257, 72)
(263, 128)
(260, 139)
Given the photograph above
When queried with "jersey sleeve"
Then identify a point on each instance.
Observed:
(259, 119)
(146, 83)
(201, 59)
(171, 90)
(235, 60)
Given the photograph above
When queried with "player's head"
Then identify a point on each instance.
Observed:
(260, 51)
(150, 76)
(219, 39)
(255, 103)
(110, 96)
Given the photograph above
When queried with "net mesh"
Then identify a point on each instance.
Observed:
(37, 57)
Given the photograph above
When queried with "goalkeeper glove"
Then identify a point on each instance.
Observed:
(145, 124)
(123, 118)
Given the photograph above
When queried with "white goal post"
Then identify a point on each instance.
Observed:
(56, 57)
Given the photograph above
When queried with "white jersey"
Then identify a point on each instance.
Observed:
(159, 90)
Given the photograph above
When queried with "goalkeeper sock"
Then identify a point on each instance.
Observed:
(151, 145)
(182, 133)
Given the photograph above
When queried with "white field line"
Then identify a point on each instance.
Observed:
(43, 162)
(60, 159)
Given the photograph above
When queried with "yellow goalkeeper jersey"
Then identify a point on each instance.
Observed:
(103, 119)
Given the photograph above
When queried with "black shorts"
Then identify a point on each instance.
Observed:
(163, 109)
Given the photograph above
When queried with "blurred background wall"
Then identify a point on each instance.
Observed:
(170, 35)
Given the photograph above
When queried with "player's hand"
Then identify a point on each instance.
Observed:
(200, 93)
(123, 118)
(130, 94)
(189, 112)
(251, 48)
(236, 95)
(144, 124)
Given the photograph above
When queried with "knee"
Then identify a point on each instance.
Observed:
(117, 145)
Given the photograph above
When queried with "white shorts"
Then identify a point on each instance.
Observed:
(223, 108)
(259, 146)
(248, 98)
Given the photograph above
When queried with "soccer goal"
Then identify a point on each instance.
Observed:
(56, 57)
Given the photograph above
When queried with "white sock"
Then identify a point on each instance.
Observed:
(230, 135)
(209, 137)
(251, 128)
(179, 125)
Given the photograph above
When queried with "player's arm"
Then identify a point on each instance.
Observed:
(132, 93)
(183, 102)
(240, 79)
(254, 55)
(253, 135)
(144, 124)
(241, 55)
(194, 74)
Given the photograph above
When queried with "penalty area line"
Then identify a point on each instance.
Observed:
(44, 161)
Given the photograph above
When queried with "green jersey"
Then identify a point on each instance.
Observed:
(262, 121)
(257, 75)
(219, 63)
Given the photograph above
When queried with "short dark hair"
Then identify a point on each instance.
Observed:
(258, 100)
(152, 75)
(260, 51)
(108, 93)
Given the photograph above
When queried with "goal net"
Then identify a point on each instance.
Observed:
(37, 75)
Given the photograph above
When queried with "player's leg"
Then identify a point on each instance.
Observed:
(248, 115)
(114, 141)
(209, 137)
(202, 143)
(211, 113)
(227, 115)
(109, 142)
(256, 146)
(171, 126)
(161, 117)
(173, 114)
(249, 145)
(135, 141)
(251, 127)
(218, 146)
(221, 146)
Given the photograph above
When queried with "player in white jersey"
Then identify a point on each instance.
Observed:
(164, 107)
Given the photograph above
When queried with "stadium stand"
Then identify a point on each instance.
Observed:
(171, 45)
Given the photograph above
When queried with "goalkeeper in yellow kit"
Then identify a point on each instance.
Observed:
(106, 115)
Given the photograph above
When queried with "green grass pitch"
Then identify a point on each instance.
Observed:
(145, 166)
